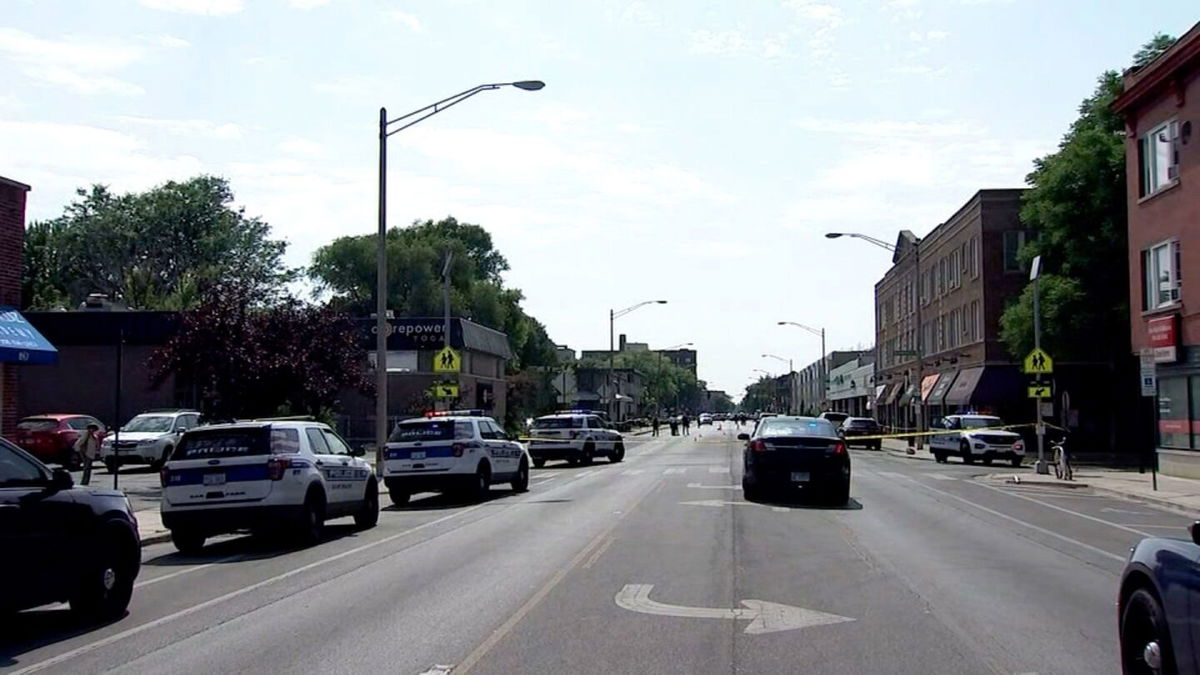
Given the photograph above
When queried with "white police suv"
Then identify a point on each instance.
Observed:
(577, 436)
(451, 450)
(262, 475)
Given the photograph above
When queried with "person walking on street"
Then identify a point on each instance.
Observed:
(654, 426)
(88, 447)
(674, 425)
(687, 424)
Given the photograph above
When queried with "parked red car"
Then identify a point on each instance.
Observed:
(51, 438)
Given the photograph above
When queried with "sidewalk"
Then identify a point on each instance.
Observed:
(150, 527)
(897, 447)
(1182, 494)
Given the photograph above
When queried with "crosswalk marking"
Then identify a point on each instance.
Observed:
(675, 469)
(631, 472)
(893, 474)
(718, 469)
(581, 474)
(939, 476)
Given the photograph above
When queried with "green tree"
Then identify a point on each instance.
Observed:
(151, 249)
(1076, 211)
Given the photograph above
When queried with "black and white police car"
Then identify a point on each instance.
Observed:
(452, 450)
(578, 436)
(260, 475)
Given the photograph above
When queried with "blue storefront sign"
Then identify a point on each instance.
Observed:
(20, 342)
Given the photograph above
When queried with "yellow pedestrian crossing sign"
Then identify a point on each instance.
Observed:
(444, 390)
(1039, 391)
(447, 361)
(1038, 363)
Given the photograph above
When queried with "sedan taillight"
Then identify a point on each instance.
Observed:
(758, 445)
(458, 449)
(163, 475)
(839, 448)
(276, 467)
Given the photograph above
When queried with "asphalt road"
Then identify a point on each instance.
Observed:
(654, 565)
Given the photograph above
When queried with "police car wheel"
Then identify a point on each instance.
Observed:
(617, 454)
(586, 457)
(539, 462)
(188, 542)
(987, 461)
(398, 497)
(312, 519)
(521, 482)
(482, 483)
(107, 585)
(368, 515)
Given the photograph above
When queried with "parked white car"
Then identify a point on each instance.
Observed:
(578, 437)
(975, 437)
(148, 438)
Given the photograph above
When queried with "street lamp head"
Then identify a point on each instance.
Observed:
(661, 302)
(833, 235)
(529, 85)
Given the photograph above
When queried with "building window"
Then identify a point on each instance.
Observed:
(952, 329)
(1013, 241)
(1161, 275)
(973, 257)
(1174, 426)
(1158, 158)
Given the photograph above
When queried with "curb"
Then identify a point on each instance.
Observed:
(1015, 479)
(1147, 499)
(925, 456)
(156, 538)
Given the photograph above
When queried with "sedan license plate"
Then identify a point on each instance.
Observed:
(418, 454)
(214, 479)
(799, 476)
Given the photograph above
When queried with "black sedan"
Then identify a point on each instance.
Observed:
(796, 453)
(63, 543)
(1156, 606)
(854, 427)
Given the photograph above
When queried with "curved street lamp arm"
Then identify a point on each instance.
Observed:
(878, 242)
(622, 312)
(435, 108)
(814, 331)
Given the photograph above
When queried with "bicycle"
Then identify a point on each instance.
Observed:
(1062, 462)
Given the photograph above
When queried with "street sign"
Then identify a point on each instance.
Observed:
(447, 361)
(444, 390)
(1039, 363)
(1149, 376)
(1039, 391)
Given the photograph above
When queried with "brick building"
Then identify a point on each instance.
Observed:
(1161, 107)
(12, 246)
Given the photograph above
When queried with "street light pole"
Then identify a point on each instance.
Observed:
(381, 322)
(613, 315)
(823, 369)
(791, 381)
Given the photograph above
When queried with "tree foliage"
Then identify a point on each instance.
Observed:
(1076, 211)
(345, 269)
(152, 250)
(250, 359)
(664, 384)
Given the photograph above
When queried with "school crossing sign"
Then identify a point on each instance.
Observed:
(1039, 363)
(447, 361)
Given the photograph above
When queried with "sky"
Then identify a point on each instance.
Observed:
(692, 151)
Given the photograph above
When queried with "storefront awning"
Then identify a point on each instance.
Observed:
(940, 389)
(909, 394)
(892, 392)
(20, 342)
(927, 384)
(964, 386)
(878, 399)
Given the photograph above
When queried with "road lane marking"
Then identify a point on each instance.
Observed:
(1132, 513)
(722, 502)
(584, 474)
(162, 620)
(437, 670)
(675, 469)
(715, 487)
(939, 476)
(780, 509)
(764, 617)
(1036, 528)
(893, 475)
(189, 570)
(599, 552)
(512, 621)
(1063, 509)
(718, 469)
(631, 472)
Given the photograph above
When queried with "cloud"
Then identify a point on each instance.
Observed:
(852, 130)
(407, 19)
(301, 146)
(927, 36)
(638, 13)
(351, 85)
(306, 4)
(631, 128)
(718, 42)
(74, 62)
(193, 127)
(168, 41)
(203, 7)
(557, 117)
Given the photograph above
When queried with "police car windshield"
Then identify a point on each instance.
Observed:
(222, 443)
(423, 430)
(558, 423)
(149, 423)
(980, 422)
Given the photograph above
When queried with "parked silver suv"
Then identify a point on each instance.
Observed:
(148, 438)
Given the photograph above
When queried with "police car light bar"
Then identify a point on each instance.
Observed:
(455, 413)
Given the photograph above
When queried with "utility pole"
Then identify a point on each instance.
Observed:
(1035, 274)
(446, 310)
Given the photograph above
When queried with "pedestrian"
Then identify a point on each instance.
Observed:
(87, 446)
(687, 424)
(654, 426)
(674, 425)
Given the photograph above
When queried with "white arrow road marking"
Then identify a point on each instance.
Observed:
(631, 472)
(718, 469)
(1132, 513)
(715, 487)
(722, 502)
(764, 617)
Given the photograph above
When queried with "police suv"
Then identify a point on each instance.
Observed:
(577, 436)
(451, 450)
(260, 475)
(975, 437)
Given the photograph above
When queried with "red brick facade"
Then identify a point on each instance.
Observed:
(12, 245)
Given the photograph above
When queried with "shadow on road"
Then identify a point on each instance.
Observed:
(37, 628)
(436, 501)
(808, 503)
(251, 547)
